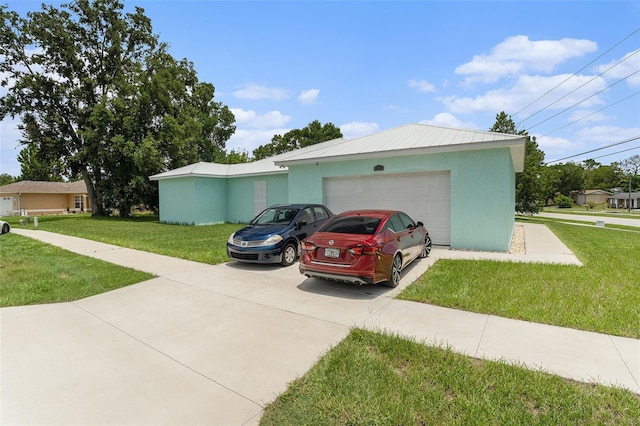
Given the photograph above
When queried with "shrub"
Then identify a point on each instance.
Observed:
(564, 202)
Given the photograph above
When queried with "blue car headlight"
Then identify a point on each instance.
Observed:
(272, 240)
(230, 240)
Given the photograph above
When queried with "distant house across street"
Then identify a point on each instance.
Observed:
(597, 196)
(622, 200)
(31, 198)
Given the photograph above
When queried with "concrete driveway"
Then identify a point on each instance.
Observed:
(203, 344)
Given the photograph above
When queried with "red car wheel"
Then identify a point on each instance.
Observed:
(396, 270)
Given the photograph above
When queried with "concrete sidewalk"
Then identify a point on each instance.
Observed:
(205, 344)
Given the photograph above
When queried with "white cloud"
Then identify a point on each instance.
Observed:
(555, 147)
(355, 129)
(606, 135)
(586, 116)
(255, 91)
(526, 88)
(518, 54)
(249, 139)
(249, 118)
(629, 64)
(308, 97)
(586, 139)
(422, 86)
(446, 119)
(255, 129)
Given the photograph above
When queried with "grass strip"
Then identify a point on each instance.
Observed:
(377, 379)
(32, 272)
(601, 296)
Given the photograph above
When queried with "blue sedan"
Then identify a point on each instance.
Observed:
(274, 235)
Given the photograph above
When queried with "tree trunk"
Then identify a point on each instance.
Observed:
(97, 209)
(124, 211)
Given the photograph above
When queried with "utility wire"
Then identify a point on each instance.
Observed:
(617, 152)
(589, 115)
(574, 74)
(585, 99)
(579, 87)
(635, 138)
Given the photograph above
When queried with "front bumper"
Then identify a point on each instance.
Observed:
(255, 255)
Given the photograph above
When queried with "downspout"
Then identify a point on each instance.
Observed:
(19, 209)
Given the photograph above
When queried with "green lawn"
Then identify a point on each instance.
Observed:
(375, 379)
(601, 296)
(32, 272)
(206, 244)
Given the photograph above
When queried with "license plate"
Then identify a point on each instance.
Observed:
(332, 252)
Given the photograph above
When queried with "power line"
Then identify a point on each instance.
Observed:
(576, 72)
(617, 152)
(589, 115)
(635, 138)
(579, 87)
(585, 99)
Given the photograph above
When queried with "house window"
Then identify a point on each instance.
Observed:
(78, 202)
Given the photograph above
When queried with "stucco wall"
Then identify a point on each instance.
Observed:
(240, 208)
(209, 200)
(482, 190)
(193, 200)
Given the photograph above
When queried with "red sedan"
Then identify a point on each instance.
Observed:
(364, 247)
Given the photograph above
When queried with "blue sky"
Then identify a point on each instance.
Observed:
(367, 66)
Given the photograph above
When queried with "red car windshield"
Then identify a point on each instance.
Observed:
(353, 225)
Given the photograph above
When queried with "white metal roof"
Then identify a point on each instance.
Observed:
(260, 167)
(410, 139)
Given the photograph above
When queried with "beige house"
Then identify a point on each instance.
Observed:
(597, 196)
(32, 198)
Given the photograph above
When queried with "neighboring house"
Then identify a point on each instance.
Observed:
(597, 196)
(41, 198)
(460, 183)
(622, 200)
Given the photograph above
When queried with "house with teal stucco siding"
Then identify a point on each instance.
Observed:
(459, 183)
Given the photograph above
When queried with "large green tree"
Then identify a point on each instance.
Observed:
(599, 176)
(36, 160)
(6, 179)
(35, 167)
(312, 134)
(96, 90)
(630, 173)
(528, 183)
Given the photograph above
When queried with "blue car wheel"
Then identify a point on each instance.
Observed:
(289, 254)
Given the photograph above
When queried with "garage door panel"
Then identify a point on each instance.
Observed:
(426, 197)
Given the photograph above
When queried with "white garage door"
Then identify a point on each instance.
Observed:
(6, 206)
(426, 197)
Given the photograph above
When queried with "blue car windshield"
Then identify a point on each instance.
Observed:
(275, 216)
